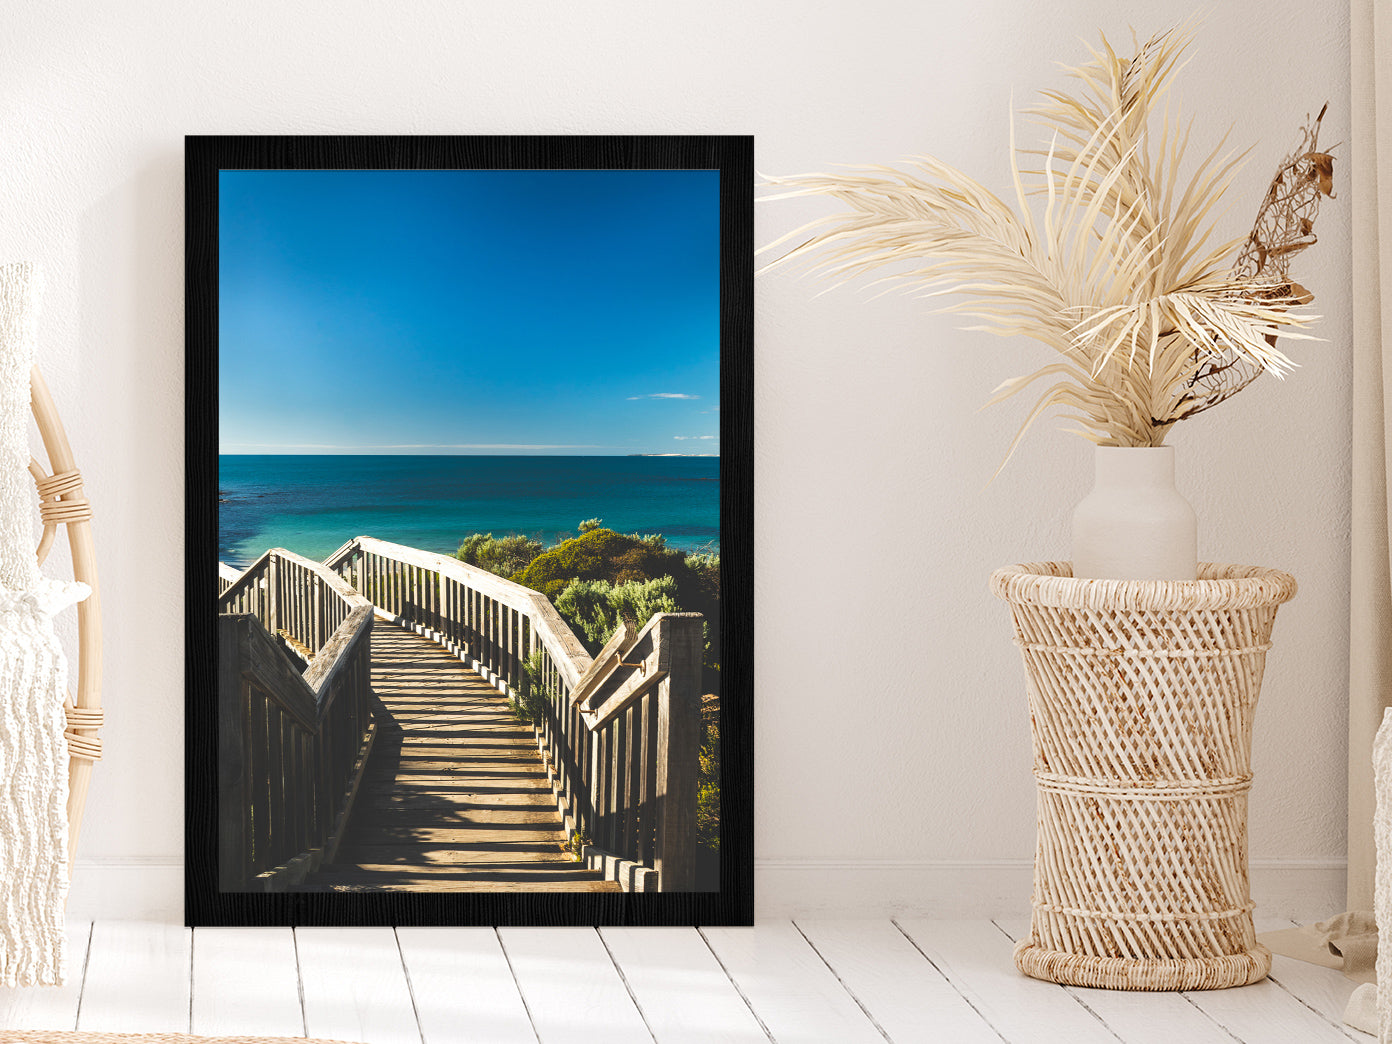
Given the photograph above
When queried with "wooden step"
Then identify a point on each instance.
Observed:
(455, 796)
(504, 875)
(405, 882)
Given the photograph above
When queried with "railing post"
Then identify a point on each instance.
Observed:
(679, 643)
(272, 594)
(318, 636)
(234, 833)
(596, 791)
(442, 612)
(511, 662)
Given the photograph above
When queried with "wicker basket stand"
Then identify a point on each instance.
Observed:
(1141, 696)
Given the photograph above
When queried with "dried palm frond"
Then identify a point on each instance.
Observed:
(1285, 226)
(1118, 274)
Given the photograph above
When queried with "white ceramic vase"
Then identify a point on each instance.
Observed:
(1134, 525)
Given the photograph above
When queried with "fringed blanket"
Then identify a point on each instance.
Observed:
(33, 681)
(1382, 884)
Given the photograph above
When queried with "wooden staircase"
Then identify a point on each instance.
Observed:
(455, 796)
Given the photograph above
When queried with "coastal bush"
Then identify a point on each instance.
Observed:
(615, 558)
(705, 570)
(602, 554)
(575, 845)
(505, 556)
(590, 523)
(529, 702)
(708, 781)
(595, 607)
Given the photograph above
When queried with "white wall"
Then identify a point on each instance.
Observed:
(893, 756)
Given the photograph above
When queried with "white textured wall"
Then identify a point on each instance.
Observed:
(892, 740)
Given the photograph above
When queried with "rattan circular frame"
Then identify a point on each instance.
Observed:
(1141, 697)
(63, 502)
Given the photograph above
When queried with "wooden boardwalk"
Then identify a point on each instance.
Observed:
(455, 796)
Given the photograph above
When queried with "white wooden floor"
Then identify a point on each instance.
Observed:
(824, 981)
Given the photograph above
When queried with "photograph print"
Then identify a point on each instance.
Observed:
(471, 625)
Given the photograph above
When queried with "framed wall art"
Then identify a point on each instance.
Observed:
(469, 530)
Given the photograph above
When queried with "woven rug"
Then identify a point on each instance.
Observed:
(67, 1037)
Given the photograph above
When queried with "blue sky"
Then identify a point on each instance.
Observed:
(539, 312)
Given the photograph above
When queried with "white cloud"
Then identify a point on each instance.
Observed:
(693, 436)
(663, 395)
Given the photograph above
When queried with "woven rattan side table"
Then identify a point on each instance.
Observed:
(1141, 696)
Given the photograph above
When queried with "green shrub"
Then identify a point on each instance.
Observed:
(575, 845)
(595, 607)
(602, 554)
(705, 575)
(534, 669)
(590, 524)
(528, 703)
(708, 781)
(505, 556)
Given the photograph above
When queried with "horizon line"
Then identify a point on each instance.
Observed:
(387, 451)
(426, 445)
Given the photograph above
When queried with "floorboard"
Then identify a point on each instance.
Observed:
(573, 991)
(788, 986)
(1264, 1013)
(463, 987)
(50, 1008)
(247, 982)
(976, 957)
(138, 978)
(1140, 1017)
(1323, 990)
(908, 998)
(815, 981)
(683, 993)
(355, 986)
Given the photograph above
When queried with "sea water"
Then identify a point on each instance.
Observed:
(312, 505)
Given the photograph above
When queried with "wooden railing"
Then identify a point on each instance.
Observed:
(227, 576)
(621, 733)
(295, 721)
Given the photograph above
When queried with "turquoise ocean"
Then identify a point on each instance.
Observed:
(312, 505)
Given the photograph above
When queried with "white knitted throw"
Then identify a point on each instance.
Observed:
(33, 681)
(1382, 882)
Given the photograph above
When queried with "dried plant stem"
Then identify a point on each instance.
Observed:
(1119, 274)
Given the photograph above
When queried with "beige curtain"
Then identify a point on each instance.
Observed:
(1370, 662)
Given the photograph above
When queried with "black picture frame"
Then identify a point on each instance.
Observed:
(205, 158)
